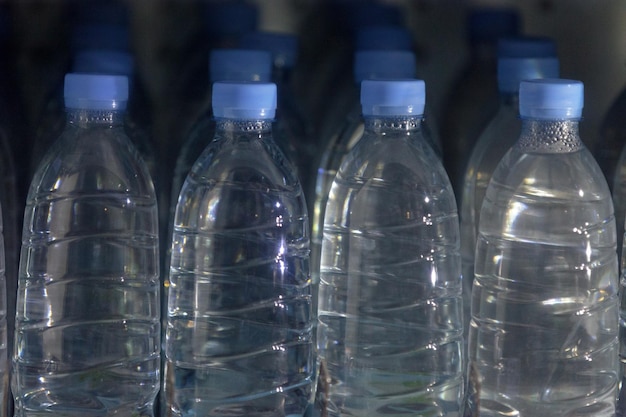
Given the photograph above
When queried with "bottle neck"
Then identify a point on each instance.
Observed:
(83, 117)
(388, 125)
(243, 128)
(549, 136)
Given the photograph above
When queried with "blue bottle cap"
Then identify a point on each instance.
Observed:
(384, 38)
(511, 71)
(240, 65)
(489, 24)
(95, 61)
(231, 18)
(389, 65)
(393, 97)
(526, 47)
(244, 101)
(96, 92)
(551, 99)
(282, 46)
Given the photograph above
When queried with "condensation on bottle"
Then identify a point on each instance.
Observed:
(87, 338)
(493, 143)
(239, 321)
(543, 337)
(390, 332)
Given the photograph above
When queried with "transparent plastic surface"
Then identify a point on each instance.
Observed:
(87, 337)
(390, 309)
(498, 137)
(239, 321)
(543, 333)
(336, 148)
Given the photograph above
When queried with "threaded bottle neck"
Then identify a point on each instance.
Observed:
(84, 117)
(549, 136)
(243, 127)
(393, 124)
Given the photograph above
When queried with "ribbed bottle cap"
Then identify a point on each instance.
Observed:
(381, 38)
(551, 98)
(526, 47)
(511, 71)
(231, 18)
(240, 65)
(282, 46)
(388, 65)
(96, 92)
(489, 24)
(393, 97)
(95, 61)
(249, 101)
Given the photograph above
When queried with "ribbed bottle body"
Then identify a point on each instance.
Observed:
(498, 137)
(390, 309)
(239, 305)
(543, 333)
(87, 324)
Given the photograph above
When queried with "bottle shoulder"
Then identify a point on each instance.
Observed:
(98, 160)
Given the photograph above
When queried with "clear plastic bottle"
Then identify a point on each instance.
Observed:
(544, 328)
(239, 307)
(609, 148)
(224, 65)
(390, 308)
(87, 339)
(495, 141)
(5, 393)
(294, 127)
(368, 65)
(473, 96)
(610, 152)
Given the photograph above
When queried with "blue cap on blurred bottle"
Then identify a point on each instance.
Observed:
(282, 46)
(512, 71)
(372, 65)
(384, 38)
(240, 65)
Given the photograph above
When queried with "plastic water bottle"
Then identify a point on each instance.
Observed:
(390, 330)
(87, 336)
(294, 130)
(11, 211)
(495, 141)
(224, 65)
(544, 327)
(5, 401)
(473, 97)
(239, 307)
(609, 148)
(610, 152)
(368, 65)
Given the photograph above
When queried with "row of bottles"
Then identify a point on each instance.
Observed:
(296, 256)
(543, 335)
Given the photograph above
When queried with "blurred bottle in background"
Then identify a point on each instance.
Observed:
(473, 98)
(369, 65)
(544, 326)
(498, 137)
(390, 329)
(239, 307)
(87, 324)
(294, 131)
